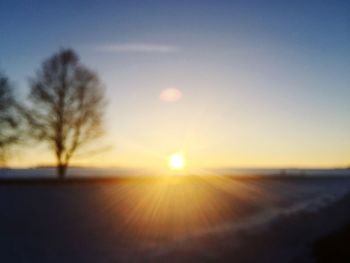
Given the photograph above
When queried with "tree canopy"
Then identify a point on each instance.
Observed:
(66, 106)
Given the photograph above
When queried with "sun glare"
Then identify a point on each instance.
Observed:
(177, 161)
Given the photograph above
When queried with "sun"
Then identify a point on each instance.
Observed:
(177, 161)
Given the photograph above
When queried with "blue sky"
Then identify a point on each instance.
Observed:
(264, 83)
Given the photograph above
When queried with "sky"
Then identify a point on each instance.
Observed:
(256, 83)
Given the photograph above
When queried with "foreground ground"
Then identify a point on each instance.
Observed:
(333, 247)
(199, 219)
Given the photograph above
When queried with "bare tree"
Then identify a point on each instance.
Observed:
(9, 118)
(66, 106)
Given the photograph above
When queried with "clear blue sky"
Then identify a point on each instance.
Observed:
(264, 83)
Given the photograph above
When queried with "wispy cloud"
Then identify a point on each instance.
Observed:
(137, 48)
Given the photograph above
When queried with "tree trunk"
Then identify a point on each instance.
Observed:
(61, 171)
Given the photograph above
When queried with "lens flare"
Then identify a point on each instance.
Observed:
(170, 95)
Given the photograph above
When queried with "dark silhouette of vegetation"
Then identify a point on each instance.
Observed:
(9, 118)
(333, 247)
(66, 106)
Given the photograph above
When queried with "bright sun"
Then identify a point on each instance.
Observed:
(177, 161)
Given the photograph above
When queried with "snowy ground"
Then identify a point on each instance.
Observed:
(187, 220)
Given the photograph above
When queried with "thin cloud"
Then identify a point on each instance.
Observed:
(137, 48)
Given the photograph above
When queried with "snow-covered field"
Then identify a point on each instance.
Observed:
(202, 219)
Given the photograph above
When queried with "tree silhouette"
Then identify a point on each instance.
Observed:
(9, 118)
(66, 106)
